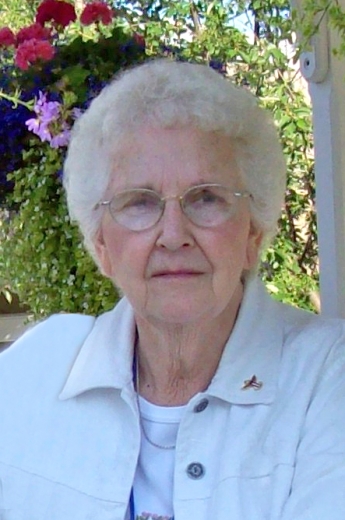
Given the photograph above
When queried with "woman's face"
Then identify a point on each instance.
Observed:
(177, 272)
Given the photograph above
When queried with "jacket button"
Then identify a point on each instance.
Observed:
(200, 407)
(195, 470)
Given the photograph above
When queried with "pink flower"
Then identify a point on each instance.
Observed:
(35, 31)
(7, 38)
(60, 12)
(32, 50)
(96, 12)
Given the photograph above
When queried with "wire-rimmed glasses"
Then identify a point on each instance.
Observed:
(205, 205)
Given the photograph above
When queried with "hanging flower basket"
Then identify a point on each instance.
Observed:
(52, 69)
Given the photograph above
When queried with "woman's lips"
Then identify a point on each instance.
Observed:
(183, 273)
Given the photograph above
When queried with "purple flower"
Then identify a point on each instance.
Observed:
(50, 111)
(41, 102)
(47, 110)
(61, 139)
(33, 125)
(39, 128)
(49, 124)
(44, 133)
(77, 112)
(42, 99)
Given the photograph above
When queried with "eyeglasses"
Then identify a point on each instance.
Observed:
(205, 205)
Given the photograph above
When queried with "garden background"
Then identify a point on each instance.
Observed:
(42, 258)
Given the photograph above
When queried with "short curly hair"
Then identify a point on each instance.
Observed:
(165, 93)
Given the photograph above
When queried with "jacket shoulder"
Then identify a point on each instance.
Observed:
(52, 343)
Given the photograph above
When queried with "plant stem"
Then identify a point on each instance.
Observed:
(16, 101)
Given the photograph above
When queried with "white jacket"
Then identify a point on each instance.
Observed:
(70, 435)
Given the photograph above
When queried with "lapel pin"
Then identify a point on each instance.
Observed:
(252, 383)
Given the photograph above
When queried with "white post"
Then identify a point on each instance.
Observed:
(329, 138)
(326, 76)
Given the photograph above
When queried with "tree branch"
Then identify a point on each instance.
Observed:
(195, 17)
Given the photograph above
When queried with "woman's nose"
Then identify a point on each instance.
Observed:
(174, 227)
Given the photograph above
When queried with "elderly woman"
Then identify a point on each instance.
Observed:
(198, 396)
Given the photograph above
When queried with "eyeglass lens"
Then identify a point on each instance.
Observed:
(204, 205)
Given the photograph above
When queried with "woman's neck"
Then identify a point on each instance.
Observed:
(176, 362)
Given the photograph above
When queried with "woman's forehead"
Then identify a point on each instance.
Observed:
(184, 155)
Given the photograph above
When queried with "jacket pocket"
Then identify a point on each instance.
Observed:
(29, 496)
(257, 494)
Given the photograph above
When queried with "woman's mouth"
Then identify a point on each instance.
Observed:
(177, 274)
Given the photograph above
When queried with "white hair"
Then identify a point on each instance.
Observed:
(164, 93)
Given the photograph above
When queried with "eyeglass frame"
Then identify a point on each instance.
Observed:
(180, 198)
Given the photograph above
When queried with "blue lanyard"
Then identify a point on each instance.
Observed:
(132, 508)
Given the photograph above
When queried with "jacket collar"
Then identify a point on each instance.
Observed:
(253, 349)
(105, 358)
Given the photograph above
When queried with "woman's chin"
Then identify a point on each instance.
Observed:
(180, 311)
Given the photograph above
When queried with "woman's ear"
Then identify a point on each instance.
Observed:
(103, 258)
(254, 243)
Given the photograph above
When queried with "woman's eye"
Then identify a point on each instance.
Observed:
(140, 202)
(206, 197)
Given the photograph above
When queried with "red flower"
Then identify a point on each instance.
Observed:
(34, 31)
(30, 51)
(7, 37)
(96, 12)
(60, 12)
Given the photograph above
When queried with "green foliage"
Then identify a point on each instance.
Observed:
(290, 266)
(17, 13)
(41, 252)
(309, 16)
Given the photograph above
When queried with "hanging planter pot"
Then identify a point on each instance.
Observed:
(10, 304)
(13, 318)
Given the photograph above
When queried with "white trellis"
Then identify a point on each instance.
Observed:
(326, 77)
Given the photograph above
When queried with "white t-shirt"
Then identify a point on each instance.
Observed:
(154, 478)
